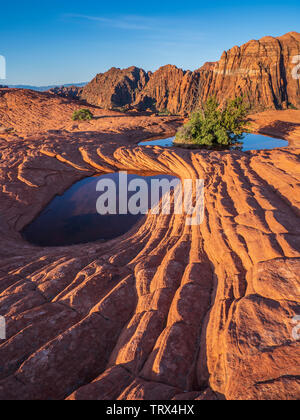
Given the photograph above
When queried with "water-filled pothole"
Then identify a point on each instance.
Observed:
(250, 142)
(72, 218)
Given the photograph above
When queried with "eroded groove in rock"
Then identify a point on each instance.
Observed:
(167, 310)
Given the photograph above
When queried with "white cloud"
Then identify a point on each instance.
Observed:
(136, 23)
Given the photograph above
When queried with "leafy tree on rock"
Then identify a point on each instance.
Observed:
(216, 125)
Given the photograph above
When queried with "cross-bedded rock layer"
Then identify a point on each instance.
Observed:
(167, 311)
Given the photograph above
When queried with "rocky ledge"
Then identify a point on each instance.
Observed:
(167, 311)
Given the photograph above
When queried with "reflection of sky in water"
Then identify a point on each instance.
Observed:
(250, 142)
(259, 142)
(163, 142)
(72, 217)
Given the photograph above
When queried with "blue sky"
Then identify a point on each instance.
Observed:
(55, 42)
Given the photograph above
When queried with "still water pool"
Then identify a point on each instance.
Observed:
(250, 142)
(72, 218)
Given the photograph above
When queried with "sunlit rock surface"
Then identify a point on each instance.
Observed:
(260, 70)
(167, 311)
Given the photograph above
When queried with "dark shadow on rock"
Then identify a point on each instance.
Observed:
(283, 127)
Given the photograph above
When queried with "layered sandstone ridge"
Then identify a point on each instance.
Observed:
(167, 311)
(115, 88)
(261, 71)
(169, 88)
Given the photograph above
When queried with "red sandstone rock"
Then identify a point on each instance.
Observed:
(41, 114)
(115, 88)
(260, 70)
(167, 311)
(169, 88)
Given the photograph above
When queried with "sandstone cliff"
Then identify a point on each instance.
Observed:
(115, 88)
(259, 70)
(169, 88)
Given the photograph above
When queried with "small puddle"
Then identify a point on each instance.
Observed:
(250, 142)
(72, 218)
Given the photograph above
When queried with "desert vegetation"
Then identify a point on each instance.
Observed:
(82, 115)
(215, 125)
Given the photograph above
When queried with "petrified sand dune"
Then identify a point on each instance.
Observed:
(30, 113)
(167, 311)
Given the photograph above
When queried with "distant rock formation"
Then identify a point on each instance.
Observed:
(169, 88)
(72, 92)
(116, 87)
(259, 70)
(44, 88)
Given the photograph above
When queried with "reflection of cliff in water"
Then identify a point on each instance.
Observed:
(72, 218)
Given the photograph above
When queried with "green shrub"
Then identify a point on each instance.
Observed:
(215, 125)
(82, 115)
